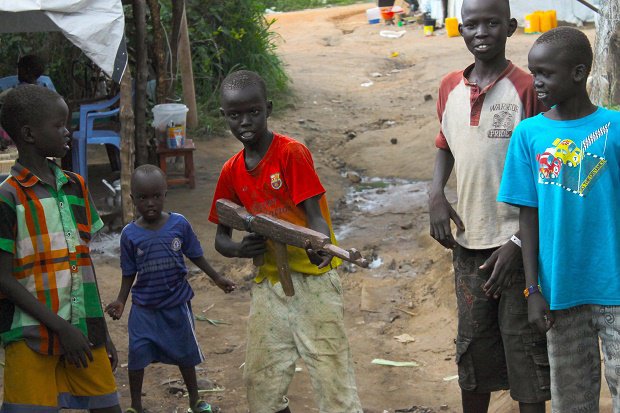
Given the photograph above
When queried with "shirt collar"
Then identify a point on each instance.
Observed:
(505, 73)
(27, 179)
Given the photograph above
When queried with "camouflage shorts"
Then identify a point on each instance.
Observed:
(575, 357)
(496, 348)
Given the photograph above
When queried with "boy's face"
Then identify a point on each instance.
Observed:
(246, 111)
(50, 136)
(554, 75)
(148, 193)
(486, 26)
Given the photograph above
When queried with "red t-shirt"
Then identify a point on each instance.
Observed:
(283, 179)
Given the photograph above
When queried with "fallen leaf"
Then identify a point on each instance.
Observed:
(405, 338)
(392, 363)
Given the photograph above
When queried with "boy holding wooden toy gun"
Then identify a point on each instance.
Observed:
(274, 175)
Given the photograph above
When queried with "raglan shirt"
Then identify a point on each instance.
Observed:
(283, 179)
(476, 126)
(570, 171)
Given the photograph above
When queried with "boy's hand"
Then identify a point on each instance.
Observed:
(441, 212)
(112, 355)
(319, 258)
(227, 285)
(75, 345)
(538, 312)
(251, 246)
(115, 309)
(503, 263)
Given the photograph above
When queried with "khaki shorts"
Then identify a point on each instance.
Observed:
(41, 383)
(309, 325)
(496, 348)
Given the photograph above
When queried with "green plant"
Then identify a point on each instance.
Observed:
(289, 5)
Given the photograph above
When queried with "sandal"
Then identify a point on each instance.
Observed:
(131, 410)
(203, 407)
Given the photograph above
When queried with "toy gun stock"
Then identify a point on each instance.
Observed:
(282, 233)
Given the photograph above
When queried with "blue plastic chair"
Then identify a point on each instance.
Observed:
(12, 81)
(88, 135)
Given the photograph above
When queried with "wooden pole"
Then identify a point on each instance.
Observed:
(178, 6)
(139, 16)
(158, 51)
(187, 73)
(605, 77)
(588, 5)
(127, 145)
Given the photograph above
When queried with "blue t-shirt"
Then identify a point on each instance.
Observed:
(570, 171)
(157, 258)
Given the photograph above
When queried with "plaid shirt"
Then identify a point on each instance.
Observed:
(48, 230)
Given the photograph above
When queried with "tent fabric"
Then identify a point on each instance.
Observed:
(569, 11)
(97, 27)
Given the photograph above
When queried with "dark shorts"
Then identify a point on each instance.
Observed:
(496, 348)
(163, 335)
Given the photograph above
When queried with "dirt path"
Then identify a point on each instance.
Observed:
(382, 131)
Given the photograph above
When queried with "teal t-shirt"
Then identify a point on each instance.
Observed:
(570, 171)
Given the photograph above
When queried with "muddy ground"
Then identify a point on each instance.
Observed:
(382, 132)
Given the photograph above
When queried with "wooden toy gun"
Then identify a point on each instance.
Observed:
(282, 233)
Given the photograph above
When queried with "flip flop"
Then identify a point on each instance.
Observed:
(131, 410)
(203, 407)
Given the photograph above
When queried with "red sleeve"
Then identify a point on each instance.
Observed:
(448, 83)
(299, 173)
(223, 190)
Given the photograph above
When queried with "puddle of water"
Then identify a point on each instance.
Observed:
(107, 244)
(379, 196)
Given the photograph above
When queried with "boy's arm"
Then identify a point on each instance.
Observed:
(75, 345)
(538, 310)
(502, 263)
(316, 222)
(250, 246)
(440, 210)
(115, 309)
(224, 283)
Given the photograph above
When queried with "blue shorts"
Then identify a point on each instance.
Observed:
(165, 335)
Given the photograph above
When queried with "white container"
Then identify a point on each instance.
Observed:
(169, 121)
(373, 15)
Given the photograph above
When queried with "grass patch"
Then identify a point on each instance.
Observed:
(291, 5)
(363, 186)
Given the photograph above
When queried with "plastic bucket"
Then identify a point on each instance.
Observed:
(169, 121)
(373, 15)
(429, 26)
(452, 27)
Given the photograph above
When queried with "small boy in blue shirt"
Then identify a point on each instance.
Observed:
(161, 323)
(563, 171)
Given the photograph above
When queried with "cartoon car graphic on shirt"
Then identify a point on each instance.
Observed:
(567, 151)
(548, 165)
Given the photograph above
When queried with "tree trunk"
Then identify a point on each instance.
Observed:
(158, 51)
(127, 145)
(139, 13)
(605, 78)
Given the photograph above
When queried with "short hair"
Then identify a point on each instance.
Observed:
(504, 3)
(146, 170)
(241, 79)
(26, 105)
(32, 64)
(573, 43)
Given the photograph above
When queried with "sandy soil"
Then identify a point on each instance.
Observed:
(385, 130)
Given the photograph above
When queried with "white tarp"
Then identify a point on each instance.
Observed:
(569, 11)
(97, 27)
